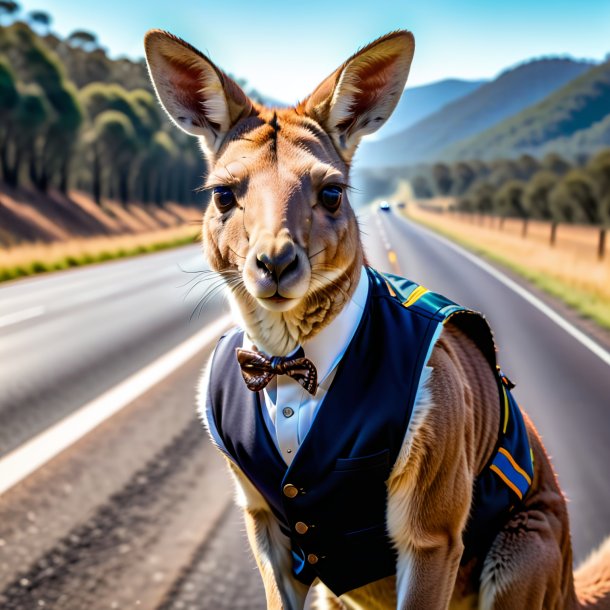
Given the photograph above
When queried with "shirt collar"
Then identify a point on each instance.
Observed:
(327, 348)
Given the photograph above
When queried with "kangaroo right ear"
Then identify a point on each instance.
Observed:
(198, 97)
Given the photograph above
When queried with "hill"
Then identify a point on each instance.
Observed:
(508, 94)
(573, 120)
(416, 103)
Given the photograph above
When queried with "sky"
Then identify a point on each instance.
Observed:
(284, 49)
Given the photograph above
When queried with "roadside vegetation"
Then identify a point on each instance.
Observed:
(32, 259)
(550, 188)
(570, 272)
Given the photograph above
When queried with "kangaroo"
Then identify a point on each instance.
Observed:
(280, 230)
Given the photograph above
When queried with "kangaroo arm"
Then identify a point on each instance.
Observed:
(270, 546)
(430, 487)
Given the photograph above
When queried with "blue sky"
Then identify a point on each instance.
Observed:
(285, 48)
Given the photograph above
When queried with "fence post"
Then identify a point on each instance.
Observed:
(553, 233)
(524, 229)
(601, 248)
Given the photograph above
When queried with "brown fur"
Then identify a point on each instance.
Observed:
(277, 161)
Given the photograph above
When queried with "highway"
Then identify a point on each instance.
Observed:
(138, 513)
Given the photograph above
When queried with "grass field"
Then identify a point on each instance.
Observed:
(570, 271)
(30, 259)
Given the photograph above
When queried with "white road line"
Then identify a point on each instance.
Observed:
(23, 461)
(583, 339)
(20, 316)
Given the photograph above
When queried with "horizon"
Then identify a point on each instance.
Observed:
(277, 49)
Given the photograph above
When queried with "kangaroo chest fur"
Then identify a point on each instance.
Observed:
(331, 502)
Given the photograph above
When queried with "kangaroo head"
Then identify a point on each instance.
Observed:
(279, 226)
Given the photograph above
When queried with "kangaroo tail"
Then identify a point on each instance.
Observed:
(592, 579)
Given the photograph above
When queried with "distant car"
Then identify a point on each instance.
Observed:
(385, 207)
(402, 205)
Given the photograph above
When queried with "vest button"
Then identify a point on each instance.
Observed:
(300, 527)
(288, 412)
(312, 559)
(290, 491)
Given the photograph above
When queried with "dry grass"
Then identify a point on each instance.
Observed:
(570, 270)
(29, 259)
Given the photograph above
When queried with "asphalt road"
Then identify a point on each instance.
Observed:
(67, 337)
(136, 514)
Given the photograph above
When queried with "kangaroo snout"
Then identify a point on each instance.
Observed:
(277, 271)
(278, 261)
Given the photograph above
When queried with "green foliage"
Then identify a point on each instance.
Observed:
(508, 198)
(76, 118)
(551, 189)
(442, 178)
(8, 89)
(573, 199)
(536, 195)
(568, 120)
(8, 7)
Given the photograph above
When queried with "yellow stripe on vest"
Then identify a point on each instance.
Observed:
(505, 409)
(390, 289)
(415, 296)
(514, 464)
(507, 480)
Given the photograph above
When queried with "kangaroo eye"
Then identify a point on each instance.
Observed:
(330, 197)
(223, 198)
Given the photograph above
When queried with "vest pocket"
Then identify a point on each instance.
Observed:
(381, 458)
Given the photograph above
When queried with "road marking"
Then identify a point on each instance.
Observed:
(20, 316)
(26, 459)
(392, 258)
(583, 339)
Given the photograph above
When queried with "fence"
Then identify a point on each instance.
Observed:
(557, 235)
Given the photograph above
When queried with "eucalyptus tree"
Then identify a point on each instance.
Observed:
(573, 199)
(536, 194)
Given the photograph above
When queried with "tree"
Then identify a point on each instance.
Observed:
(573, 199)
(536, 195)
(503, 170)
(421, 188)
(40, 18)
(83, 39)
(481, 197)
(8, 8)
(556, 164)
(441, 174)
(527, 166)
(508, 199)
(463, 176)
(599, 169)
(117, 142)
(9, 97)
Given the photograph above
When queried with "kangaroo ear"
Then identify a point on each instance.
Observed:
(358, 98)
(198, 97)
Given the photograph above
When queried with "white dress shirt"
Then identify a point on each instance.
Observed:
(289, 410)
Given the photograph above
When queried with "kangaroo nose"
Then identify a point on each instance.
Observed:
(280, 262)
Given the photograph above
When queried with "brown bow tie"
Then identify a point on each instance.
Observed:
(258, 370)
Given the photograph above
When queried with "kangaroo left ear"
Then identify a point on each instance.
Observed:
(198, 96)
(359, 97)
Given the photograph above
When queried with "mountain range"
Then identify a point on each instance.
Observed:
(452, 130)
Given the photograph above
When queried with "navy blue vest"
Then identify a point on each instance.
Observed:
(335, 486)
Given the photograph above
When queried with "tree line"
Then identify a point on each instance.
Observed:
(550, 188)
(71, 118)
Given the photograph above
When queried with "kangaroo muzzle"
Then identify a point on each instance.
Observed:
(277, 272)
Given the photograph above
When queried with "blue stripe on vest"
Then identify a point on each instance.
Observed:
(340, 469)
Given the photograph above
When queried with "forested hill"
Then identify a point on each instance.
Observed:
(416, 103)
(572, 121)
(510, 93)
(72, 118)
